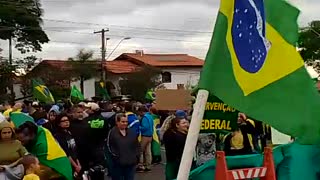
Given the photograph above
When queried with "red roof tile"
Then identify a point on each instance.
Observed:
(130, 62)
(116, 67)
(64, 63)
(164, 60)
(54, 63)
(121, 66)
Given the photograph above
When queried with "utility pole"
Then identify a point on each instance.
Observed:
(103, 53)
(10, 51)
(12, 94)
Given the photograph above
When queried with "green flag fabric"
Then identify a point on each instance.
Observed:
(218, 117)
(252, 65)
(19, 118)
(101, 89)
(75, 93)
(50, 154)
(150, 95)
(286, 161)
(155, 144)
(41, 92)
(315, 80)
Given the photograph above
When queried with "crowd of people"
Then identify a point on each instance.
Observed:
(98, 138)
(93, 136)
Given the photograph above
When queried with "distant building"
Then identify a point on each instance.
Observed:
(176, 70)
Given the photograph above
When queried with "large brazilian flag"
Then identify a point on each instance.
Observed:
(252, 65)
(50, 154)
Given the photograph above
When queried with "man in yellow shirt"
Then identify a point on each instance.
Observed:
(239, 142)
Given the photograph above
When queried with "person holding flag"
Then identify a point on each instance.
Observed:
(40, 142)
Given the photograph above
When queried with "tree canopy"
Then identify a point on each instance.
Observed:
(83, 66)
(309, 41)
(138, 83)
(21, 21)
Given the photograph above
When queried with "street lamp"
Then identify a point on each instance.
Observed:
(123, 39)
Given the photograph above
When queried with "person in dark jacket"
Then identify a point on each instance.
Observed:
(67, 142)
(174, 140)
(123, 146)
(99, 128)
(238, 142)
(80, 130)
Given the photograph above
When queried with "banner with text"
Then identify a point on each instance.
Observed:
(218, 117)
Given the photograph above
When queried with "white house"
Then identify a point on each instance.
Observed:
(177, 70)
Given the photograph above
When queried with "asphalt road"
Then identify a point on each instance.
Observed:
(157, 173)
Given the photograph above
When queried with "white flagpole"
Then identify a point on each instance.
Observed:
(193, 134)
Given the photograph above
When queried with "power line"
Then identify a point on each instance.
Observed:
(111, 35)
(136, 37)
(65, 29)
(148, 29)
(98, 49)
(130, 27)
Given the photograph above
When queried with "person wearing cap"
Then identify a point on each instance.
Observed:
(11, 152)
(99, 129)
(38, 114)
(36, 111)
(84, 108)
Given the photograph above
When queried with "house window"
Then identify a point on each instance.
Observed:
(166, 77)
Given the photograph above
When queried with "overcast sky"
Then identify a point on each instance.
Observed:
(155, 26)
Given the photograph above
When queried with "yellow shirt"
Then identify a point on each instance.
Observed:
(31, 177)
(237, 140)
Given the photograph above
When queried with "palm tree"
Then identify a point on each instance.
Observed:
(83, 66)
